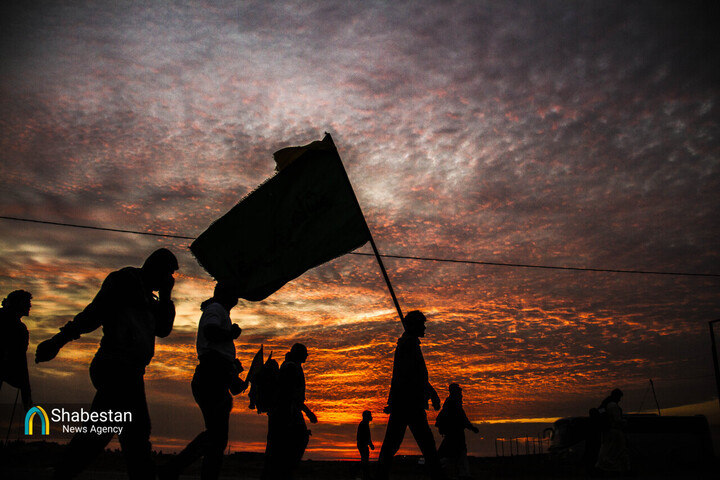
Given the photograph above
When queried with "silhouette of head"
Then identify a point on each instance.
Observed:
(18, 302)
(414, 323)
(367, 415)
(455, 389)
(616, 395)
(160, 265)
(226, 295)
(298, 353)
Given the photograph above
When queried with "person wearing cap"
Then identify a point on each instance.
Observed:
(288, 435)
(14, 340)
(131, 316)
(213, 384)
(410, 390)
(452, 423)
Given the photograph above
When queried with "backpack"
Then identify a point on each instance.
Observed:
(603, 418)
(263, 386)
(441, 422)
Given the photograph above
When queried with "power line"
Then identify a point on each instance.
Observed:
(89, 227)
(402, 257)
(548, 267)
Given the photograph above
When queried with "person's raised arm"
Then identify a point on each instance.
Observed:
(84, 322)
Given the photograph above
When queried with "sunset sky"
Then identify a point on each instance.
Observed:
(556, 133)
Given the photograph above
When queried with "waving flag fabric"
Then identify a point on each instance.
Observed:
(303, 216)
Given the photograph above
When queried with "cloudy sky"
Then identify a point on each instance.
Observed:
(556, 133)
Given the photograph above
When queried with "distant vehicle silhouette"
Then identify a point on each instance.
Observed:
(655, 441)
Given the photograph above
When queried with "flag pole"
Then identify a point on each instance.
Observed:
(384, 272)
(372, 241)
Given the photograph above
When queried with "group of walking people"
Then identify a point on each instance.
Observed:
(134, 306)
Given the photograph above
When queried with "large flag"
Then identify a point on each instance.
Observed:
(303, 216)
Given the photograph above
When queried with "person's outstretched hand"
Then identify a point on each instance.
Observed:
(47, 350)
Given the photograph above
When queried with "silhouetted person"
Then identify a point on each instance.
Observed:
(14, 339)
(452, 423)
(364, 443)
(216, 374)
(613, 456)
(287, 433)
(131, 317)
(410, 391)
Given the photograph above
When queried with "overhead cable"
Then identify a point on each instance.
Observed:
(402, 257)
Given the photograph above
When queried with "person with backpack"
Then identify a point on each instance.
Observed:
(452, 423)
(288, 435)
(213, 384)
(613, 456)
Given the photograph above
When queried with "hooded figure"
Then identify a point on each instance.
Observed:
(131, 316)
(452, 423)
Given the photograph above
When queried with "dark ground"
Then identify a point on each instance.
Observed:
(34, 460)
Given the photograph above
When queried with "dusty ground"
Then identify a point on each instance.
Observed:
(34, 462)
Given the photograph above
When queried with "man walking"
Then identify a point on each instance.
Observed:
(216, 374)
(410, 391)
(364, 443)
(287, 433)
(131, 316)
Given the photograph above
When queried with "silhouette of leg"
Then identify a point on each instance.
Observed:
(273, 448)
(80, 452)
(85, 447)
(216, 404)
(210, 390)
(135, 439)
(364, 461)
(394, 434)
(123, 390)
(423, 436)
(298, 443)
(191, 452)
